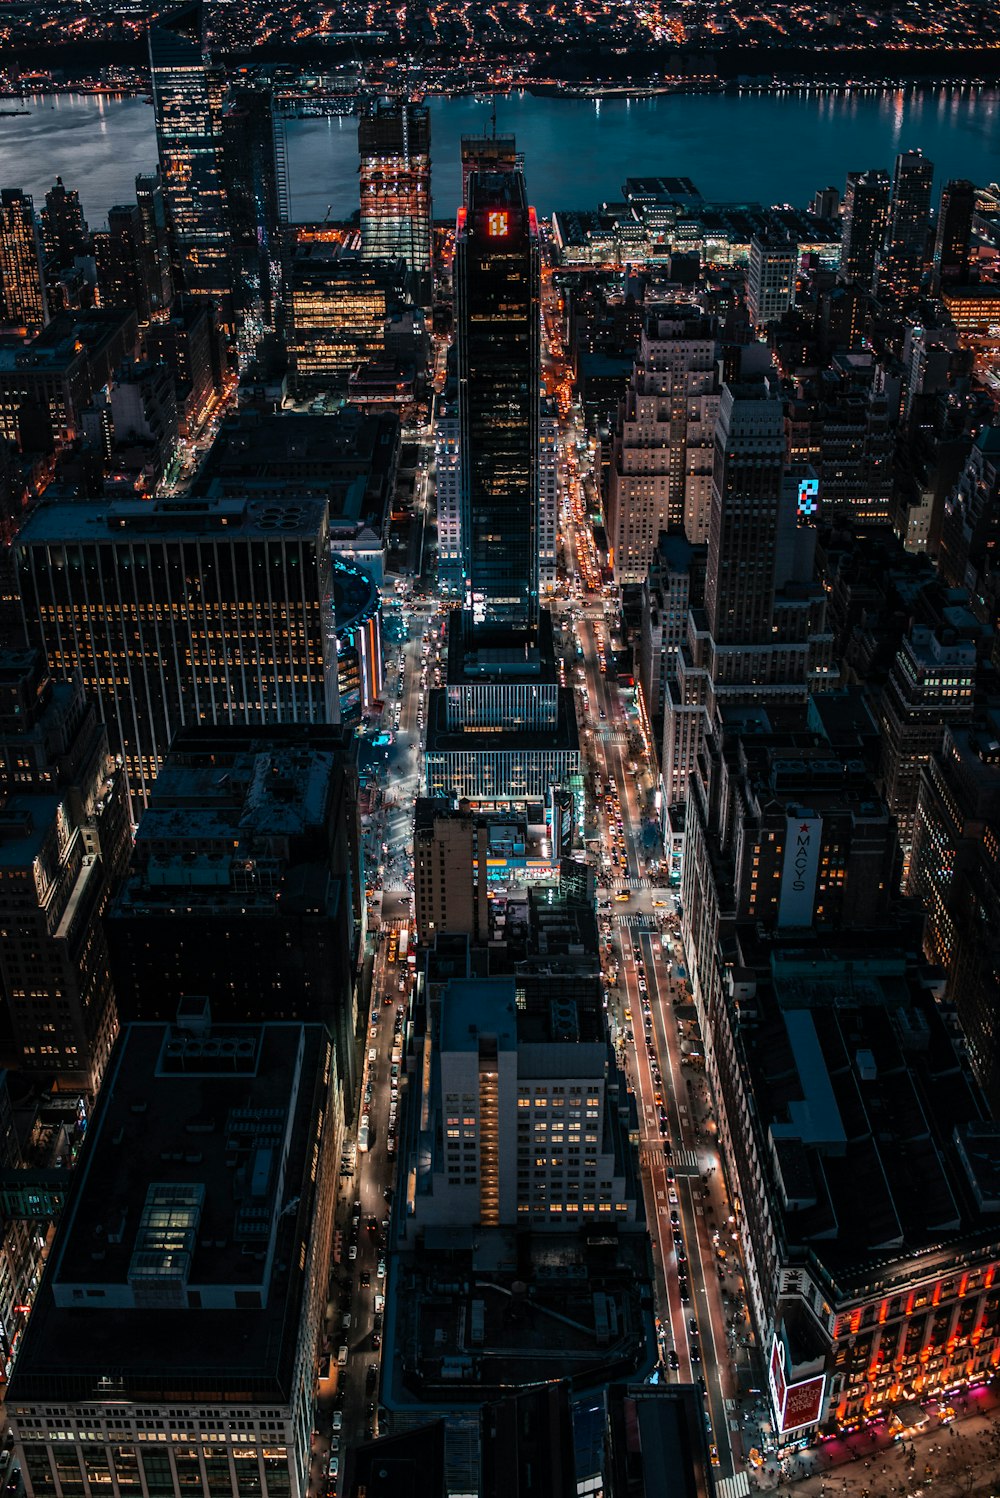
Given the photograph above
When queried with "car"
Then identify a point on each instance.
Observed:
(672, 1358)
(381, 1269)
(692, 1326)
(366, 1279)
(334, 1467)
(371, 1377)
(671, 1194)
(713, 1452)
(334, 1443)
(685, 1294)
(376, 1339)
(675, 1218)
(352, 1252)
(695, 1353)
(622, 896)
(345, 1320)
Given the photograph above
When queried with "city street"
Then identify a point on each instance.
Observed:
(703, 1321)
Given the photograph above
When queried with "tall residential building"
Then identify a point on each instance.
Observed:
(157, 269)
(865, 217)
(64, 839)
(394, 140)
(184, 612)
(189, 143)
(497, 292)
(64, 228)
(189, 341)
(930, 686)
(246, 883)
(192, 1263)
(954, 233)
(22, 286)
(901, 273)
(661, 469)
(771, 278)
(121, 269)
(506, 1073)
(449, 871)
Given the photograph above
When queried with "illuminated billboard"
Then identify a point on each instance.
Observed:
(795, 1405)
(498, 223)
(808, 499)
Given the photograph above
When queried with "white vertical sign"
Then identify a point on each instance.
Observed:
(803, 837)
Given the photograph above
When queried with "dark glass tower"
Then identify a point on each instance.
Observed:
(954, 232)
(865, 216)
(251, 183)
(906, 243)
(497, 291)
(190, 148)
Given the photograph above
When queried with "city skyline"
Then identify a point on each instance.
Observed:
(499, 807)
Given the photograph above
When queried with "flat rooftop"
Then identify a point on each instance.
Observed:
(193, 1192)
(123, 521)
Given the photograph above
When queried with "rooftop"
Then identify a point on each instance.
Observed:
(121, 522)
(189, 1220)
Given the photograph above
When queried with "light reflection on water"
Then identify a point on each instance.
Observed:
(774, 148)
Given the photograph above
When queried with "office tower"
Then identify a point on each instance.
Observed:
(22, 286)
(190, 153)
(954, 233)
(844, 424)
(497, 289)
(358, 618)
(661, 469)
(548, 496)
(953, 874)
(246, 883)
(155, 240)
(394, 140)
(450, 850)
(901, 273)
(930, 686)
(496, 1057)
(488, 153)
(970, 531)
(64, 228)
(338, 306)
(771, 279)
(865, 217)
(762, 635)
(119, 253)
(46, 386)
(448, 492)
(251, 183)
(190, 1269)
(189, 341)
(64, 839)
(184, 612)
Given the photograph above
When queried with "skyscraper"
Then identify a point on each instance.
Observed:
(394, 139)
(497, 290)
(865, 215)
(489, 153)
(21, 283)
(774, 265)
(155, 239)
(203, 611)
(64, 228)
(251, 184)
(190, 151)
(954, 231)
(909, 217)
(118, 251)
(661, 470)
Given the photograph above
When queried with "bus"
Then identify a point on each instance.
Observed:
(363, 1134)
(404, 942)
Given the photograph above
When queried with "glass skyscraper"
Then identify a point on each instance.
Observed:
(497, 291)
(188, 139)
(394, 141)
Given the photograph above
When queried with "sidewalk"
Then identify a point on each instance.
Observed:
(958, 1458)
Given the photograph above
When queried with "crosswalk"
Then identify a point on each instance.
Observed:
(685, 1162)
(643, 924)
(732, 1487)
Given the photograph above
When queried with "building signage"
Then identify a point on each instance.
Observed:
(803, 837)
(808, 499)
(794, 1405)
(803, 1403)
(497, 224)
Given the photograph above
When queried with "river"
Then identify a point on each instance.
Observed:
(763, 147)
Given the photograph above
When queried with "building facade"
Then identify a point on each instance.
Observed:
(205, 611)
(394, 141)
